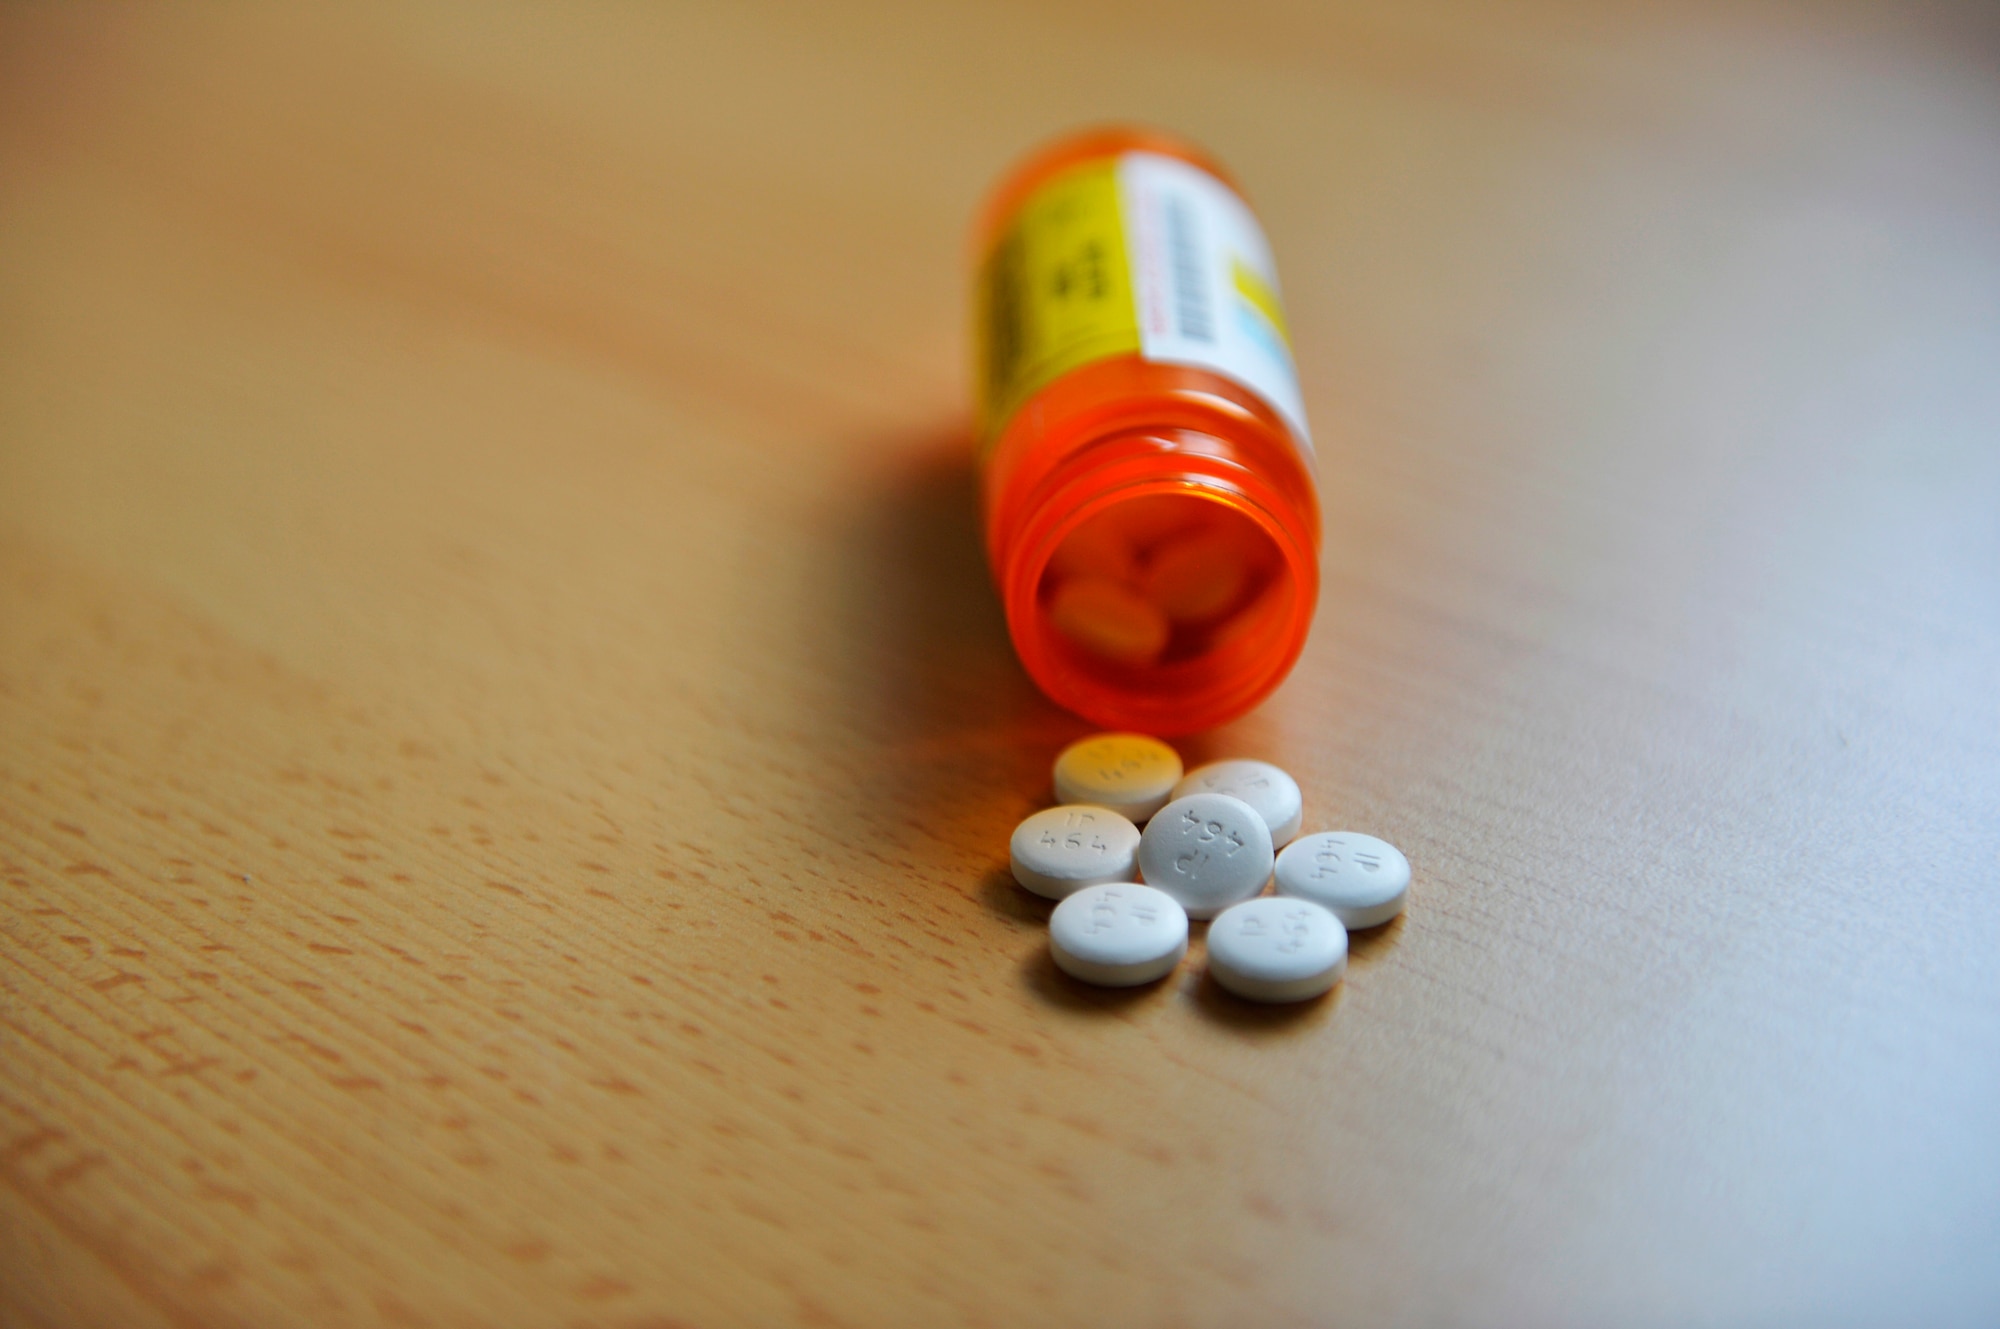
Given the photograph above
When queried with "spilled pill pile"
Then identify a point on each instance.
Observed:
(1215, 838)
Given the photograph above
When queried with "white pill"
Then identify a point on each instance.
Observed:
(1277, 949)
(1128, 773)
(1118, 936)
(1059, 851)
(1363, 880)
(1206, 850)
(1263, 786)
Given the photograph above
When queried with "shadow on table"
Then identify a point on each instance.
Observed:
(1058, 989)
(941, 728)
(999, 892)
(1371, 944)
(1259, 1017)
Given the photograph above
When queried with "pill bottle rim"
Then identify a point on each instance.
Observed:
(1093, 484)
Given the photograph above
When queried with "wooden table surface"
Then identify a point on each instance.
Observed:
(507, 747)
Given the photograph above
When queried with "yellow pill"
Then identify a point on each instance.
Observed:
(1096, 549)
(1108, 620)
(1197, 577)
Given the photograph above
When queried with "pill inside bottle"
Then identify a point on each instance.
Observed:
(1149, 591)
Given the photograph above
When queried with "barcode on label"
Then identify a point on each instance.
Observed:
(1191, 310)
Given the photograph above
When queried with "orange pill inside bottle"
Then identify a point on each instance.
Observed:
(1147, 480)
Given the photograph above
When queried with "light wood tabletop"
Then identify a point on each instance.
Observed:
(507, 743)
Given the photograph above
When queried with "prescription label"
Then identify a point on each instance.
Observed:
(1141, 253)
(1056, 292)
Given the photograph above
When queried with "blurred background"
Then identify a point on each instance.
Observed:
(507, 735)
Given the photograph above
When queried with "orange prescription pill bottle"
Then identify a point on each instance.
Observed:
(1147, 483)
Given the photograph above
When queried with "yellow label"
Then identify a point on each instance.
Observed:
(1056, 291)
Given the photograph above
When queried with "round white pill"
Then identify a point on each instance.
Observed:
(1059, 851)
(1128, 773)
(1206, 850)
(1263, 786)
(1118, 936)
(1277, 949)
(1363, 880)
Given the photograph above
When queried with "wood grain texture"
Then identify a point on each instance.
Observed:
(506, 746)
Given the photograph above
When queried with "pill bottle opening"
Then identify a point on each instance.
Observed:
(1167, 606)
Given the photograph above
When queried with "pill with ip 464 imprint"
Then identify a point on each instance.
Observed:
(1059, 851)
(1129, 773)
(1363, 880)
(1208, 851)
(1263, 786)
(1118, 935)
(1277, 949)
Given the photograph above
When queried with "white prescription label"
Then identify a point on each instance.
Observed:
(1203, 281)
